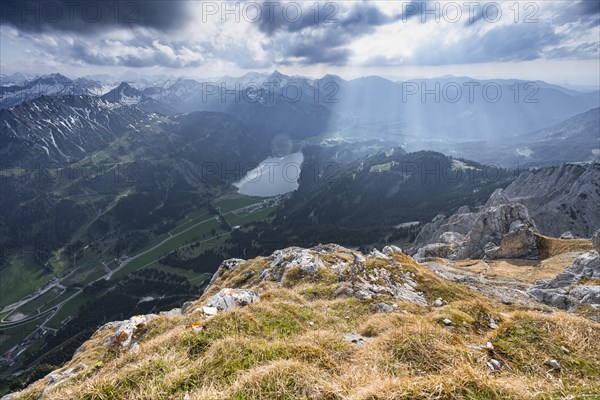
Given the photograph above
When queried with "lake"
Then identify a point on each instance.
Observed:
(272, 177)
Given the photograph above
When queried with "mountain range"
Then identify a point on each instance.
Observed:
(63, 128)
(465, 109)
(47, 85)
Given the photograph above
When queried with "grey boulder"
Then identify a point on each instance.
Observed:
(229, 299)
(565, 291)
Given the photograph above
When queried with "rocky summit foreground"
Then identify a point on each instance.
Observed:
(332, 323)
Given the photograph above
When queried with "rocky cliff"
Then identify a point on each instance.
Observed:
(559, 199)
(504, 231)
(332, 323)
(556, 201)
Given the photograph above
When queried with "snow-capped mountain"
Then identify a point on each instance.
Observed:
(47, 85)
(18, 78)
(63, 128)
(361, 108)
(129, 95)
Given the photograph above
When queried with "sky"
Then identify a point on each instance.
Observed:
(556, 41)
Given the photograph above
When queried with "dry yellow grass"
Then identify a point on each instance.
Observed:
(290, 345)
(523, 270)
(550, 246)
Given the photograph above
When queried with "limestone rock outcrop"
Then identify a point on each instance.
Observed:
(504, 231)
(576, 285)
(559, 199)
(460, 223)
(554, 201)
(376, 275)
(229, 299)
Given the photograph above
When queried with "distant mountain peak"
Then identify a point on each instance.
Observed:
(124, 93)
(278, 76)
(56, 77)
(332, 76)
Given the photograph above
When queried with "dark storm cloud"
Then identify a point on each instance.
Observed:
(362, 17)
(315, 38)
(317, 48)
(588, 7)
(584, 13)
(85, 16)
(309, 55)
(274, 20)
(73, 30)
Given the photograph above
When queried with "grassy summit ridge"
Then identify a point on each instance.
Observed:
(332, 323)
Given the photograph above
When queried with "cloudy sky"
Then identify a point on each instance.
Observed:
(557, 41)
